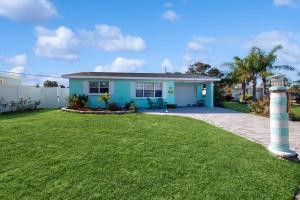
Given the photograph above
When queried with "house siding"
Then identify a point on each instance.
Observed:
(121, 93)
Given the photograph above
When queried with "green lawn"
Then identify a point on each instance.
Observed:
(56, 155)
(296, 110)
(237, 107)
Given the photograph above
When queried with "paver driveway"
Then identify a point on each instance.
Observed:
(250, 126)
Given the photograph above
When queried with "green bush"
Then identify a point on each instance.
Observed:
(131, 106)
(259, 107)
(19, 106)
(248, 97)
(78, 101)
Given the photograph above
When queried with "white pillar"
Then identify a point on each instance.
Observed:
(279, 123)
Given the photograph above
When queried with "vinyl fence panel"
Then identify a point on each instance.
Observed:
(49, 97)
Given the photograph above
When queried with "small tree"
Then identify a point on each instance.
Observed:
(49, 83)
(105, 98)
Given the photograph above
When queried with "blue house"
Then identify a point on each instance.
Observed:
(174, 88)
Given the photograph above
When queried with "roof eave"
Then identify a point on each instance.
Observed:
(139, 78)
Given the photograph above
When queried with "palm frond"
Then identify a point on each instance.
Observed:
(284, 67)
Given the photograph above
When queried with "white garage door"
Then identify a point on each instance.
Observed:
(185, 95)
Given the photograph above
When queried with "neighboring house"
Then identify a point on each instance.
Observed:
(180, 89)
(9, 80)
(237, 91)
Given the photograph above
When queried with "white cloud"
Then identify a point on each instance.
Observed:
(59, 43)
(290, 54)
(168, 5)
(199, 43)
(284, 2)
(111, 38)
(170, 15)
(167, 65)
(27, 10)
(121, 64)
(187, 59)
(18, 69)
(20, 59)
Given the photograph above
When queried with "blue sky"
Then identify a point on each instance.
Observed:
(55, 37)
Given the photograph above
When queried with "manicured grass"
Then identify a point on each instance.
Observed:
(58, 155)
(296, 110)
(237, 107)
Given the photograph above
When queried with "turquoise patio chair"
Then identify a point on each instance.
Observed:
(152, 104)
(161, 103)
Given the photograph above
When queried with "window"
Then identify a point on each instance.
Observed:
(139, 90)
(98, 87)
(149, 90)
(158, 89)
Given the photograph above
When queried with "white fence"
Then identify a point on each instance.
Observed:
(50, 97)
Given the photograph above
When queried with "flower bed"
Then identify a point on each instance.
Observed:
(97, 111)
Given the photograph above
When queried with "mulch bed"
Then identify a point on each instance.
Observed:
(87, 111)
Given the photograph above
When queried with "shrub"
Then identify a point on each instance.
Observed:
(113, 106)
(292, 116)
(133, 107)
(229, 97)
(78, 101)
(248, 97)
(259, 107)
(219, 93)
(19, 106)
(298, 100)
(106, 97)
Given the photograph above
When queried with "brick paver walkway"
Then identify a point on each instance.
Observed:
(249, 126)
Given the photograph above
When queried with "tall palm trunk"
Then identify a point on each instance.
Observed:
(244, 89)
(254, 82)
(264, 81)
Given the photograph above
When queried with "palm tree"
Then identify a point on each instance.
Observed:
(266, 63)
(239, 73)
(253, 68)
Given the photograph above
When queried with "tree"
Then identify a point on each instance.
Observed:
(266, 63)
(239, 74)
(214, 72)
(198, 68)
(48, 83)
(298, 81)
(254, 68)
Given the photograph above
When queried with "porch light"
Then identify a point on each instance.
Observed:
(204, 90)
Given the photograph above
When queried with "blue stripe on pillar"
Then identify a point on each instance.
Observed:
(280, 131)
(279, 116)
